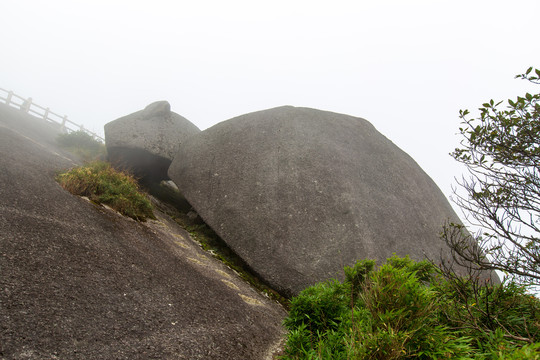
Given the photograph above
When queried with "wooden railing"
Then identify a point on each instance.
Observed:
(26, 105)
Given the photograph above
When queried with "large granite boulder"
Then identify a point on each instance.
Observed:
(298, 193)
(146, 141)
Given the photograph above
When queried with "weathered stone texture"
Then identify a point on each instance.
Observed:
(146, 141)
(79, 281)
(298, 193)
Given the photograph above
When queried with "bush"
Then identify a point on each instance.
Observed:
(490, 314)
(82, 145)
(406, 310)
(105, 185)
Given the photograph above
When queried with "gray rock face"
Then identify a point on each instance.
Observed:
(146, 141)
(81, 282)
(298, 193)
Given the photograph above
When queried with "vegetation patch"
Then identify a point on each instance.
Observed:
(407, 310)
(212, 243)
(83, 145)
(102, 184)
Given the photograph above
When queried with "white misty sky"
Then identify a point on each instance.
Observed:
(406, 66)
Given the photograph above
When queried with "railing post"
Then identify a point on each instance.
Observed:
(63, 126)
(10, 95)
(26, 105)
(46, 115)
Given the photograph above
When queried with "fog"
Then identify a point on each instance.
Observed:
(406, 66)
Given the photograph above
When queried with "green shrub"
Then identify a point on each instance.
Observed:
(527, 352)
(82, 144)
(105, 185)
(403, 321)
(406, 310)
(497, 317)
(320, 307)
(357, 274)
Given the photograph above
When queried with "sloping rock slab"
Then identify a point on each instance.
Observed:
(298, 193)
(82, 282)
(146, 141)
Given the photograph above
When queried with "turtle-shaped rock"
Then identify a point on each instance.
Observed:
(299, 193)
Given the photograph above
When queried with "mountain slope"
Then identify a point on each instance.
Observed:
(80, 281)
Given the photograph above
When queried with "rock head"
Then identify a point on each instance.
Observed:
(146, 141)
(299, 193)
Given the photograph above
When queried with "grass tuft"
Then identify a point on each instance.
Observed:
(102, 184)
